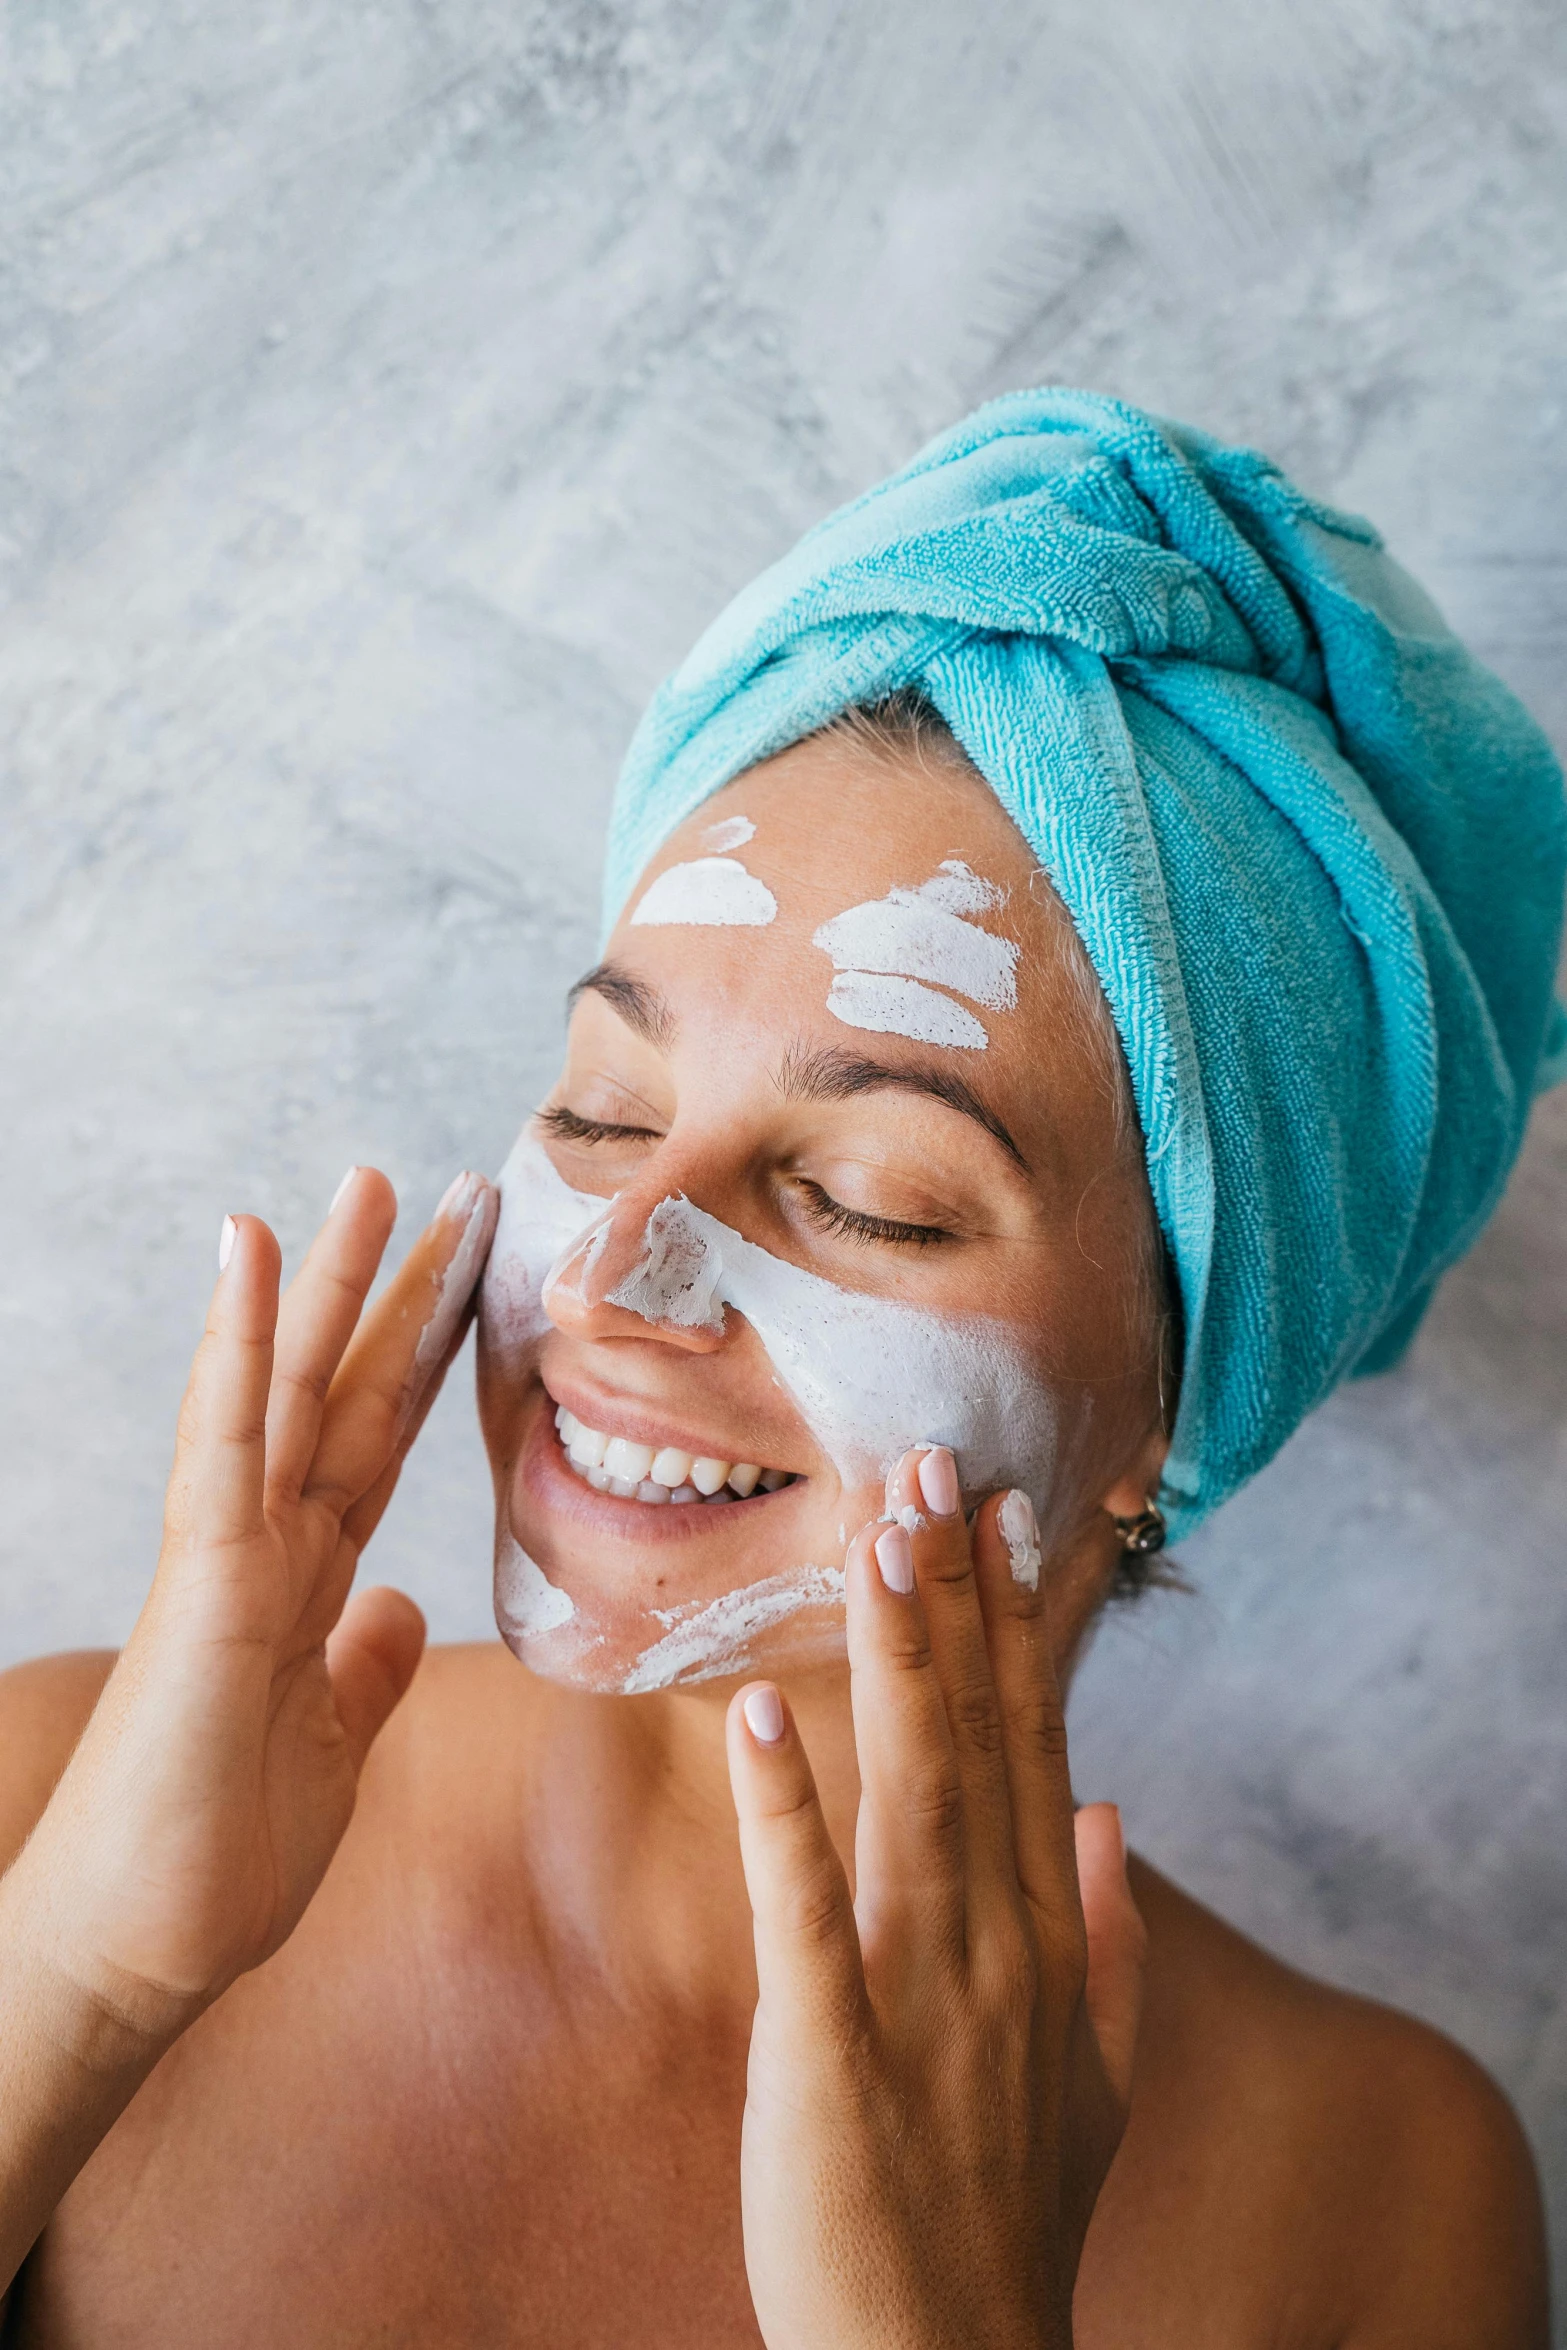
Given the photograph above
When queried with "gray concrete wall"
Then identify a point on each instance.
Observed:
(390, 391)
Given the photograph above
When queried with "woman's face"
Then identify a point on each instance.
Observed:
(834, 1167)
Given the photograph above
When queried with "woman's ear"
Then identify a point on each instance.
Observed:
(1131, 1493)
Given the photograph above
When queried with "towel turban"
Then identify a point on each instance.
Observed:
(1315, 851)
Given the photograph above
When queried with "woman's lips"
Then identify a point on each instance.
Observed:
(657, 1474)
(551, 1484)
(656, 1426)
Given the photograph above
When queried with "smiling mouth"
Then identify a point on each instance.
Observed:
(639, 1472)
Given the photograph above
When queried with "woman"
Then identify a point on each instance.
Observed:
(910, 1239)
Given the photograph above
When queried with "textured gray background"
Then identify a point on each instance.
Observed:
(391, 391)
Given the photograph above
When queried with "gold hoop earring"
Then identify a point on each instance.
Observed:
(1145, 1533)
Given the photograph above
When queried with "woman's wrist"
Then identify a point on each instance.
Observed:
(101, 2020)
(103, 2016)
(74, 2049)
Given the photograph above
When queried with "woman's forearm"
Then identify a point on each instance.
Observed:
(71, 2057)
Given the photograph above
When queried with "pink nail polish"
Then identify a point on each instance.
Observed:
(939, 1483)
(895, 1557)
(764, 1715)
(226, 1240)
(343, 1186)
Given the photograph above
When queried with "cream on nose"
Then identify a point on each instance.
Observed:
(573, 1286)
(652, 1260)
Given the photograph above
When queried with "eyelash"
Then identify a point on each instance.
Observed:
(833, 1216)
(829, 1213)
(571, 1128)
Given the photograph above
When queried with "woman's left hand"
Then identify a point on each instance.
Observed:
(940, 2065)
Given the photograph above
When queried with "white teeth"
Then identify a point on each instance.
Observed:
(636, 1472)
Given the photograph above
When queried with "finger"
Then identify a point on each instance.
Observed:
(909, 1857)
(372, 1657)
(1014, 1604)
(807, 1948)
(361, 1521)
(1117, 1943)
(320, 1310)
(399, 1346)
(217, 1488)
(924, 1495)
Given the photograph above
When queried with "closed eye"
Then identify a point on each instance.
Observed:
(833, 1216)
(568, 1127)
(829, 1213)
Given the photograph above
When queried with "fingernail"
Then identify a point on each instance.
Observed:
(1020, 1533)
(226, 1240)
(453, 1195)
(342, 1187)
(939, 1483)
(895, 1557)
(764, 1715)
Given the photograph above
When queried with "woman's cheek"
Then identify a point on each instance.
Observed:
(871, 1377)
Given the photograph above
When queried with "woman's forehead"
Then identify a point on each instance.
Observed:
(828, 825)
(867, 906)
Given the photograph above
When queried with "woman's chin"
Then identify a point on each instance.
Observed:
(610, 1593)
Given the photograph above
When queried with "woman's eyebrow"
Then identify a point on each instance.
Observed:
(640, 1006)
(830, 1074)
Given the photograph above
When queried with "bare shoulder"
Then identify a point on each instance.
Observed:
(1376, 2177)
(44, 1706)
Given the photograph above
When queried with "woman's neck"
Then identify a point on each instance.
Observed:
(631, 1839)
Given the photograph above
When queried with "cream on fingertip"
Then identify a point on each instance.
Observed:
(1020, 1532)
(343, 1186)
(226, 1240)
(938, 1477)
(453, 1201)
(764, 1714)
(895, 1557)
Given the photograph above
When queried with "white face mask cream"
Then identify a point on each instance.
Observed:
(728, 834)
(703, 1641)
(711, 892)
(1020, 1533)
(871, 1376)
(893, 955)
(471, 1204)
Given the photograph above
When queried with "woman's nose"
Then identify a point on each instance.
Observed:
(649, 1266)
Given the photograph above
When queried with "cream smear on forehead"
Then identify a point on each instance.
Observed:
(712, 892)
(895, 954)
(728, 834)
(871, 1375)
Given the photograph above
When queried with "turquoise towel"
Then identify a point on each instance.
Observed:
(1315, 851)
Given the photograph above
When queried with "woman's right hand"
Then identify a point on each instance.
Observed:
(219, 1769)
